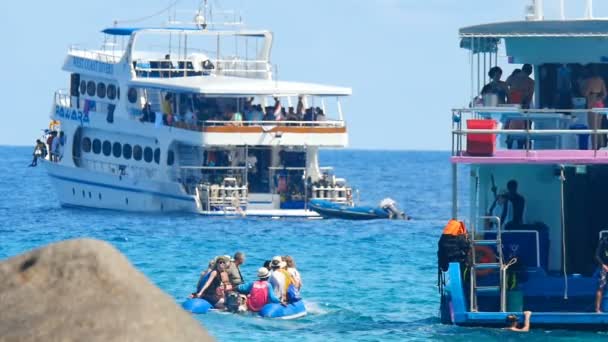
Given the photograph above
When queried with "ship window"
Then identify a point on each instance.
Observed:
(132, 95)
(118, 93)
(101, 90)
(127, 151)
(148, 154)
(83, 87)
(117, 150)
(86, 144)
(107, 148)
(137, 152)
(96, 146)
(170, 158)
(111, 91)
(157, 156)
(91, 88)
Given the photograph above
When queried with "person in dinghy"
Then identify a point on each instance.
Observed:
(259, 292)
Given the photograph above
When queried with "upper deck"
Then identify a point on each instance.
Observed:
(551, 112)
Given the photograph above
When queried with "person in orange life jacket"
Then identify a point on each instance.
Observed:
(217, 285)
(280, 278)
(260, 292)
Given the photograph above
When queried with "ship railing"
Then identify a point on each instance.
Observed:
(121, 170)
(63, 98)
(287, 123)
(97, 55)
(186, 67)
(556, 129)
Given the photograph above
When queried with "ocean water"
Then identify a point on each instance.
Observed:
(363, 281)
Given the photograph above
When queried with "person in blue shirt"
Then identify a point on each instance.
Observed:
(259, 292)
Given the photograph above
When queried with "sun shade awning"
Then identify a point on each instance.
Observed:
(237, 86)
(540, 28)
(127, 31)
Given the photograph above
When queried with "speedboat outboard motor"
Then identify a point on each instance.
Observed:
(390, 206)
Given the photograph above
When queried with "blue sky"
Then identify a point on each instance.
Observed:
(400, 57)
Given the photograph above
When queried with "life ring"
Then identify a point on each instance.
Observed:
(484, 255)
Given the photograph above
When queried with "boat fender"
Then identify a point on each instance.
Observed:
(197, 305)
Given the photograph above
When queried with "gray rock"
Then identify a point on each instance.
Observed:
(86, 290)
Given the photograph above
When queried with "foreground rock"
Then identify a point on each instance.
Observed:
(85, 290)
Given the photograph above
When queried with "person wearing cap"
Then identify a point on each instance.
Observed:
(259, 292)
(279, 278)
(216, 285)
(234, 270)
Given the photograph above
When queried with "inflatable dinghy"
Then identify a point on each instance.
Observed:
(197, 305)
(289, 311)
(386, 210)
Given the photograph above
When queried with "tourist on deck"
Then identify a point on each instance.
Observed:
(55, 147)
(167, 108)
(291, 115)
(189, 116)
(61, 146)
(496, 86)
(256, 113)
(217, 285)
(277, 110)
(517, 203)
(39, 152)
(320, 114)
(147, 113)
(601, 256)
(595, 93)
(512, 77)
(512, 320)
(259, 292)
(49, 143)
(295, 275)
(234, 270)
(521, 87)
(279, 278)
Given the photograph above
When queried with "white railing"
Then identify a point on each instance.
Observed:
(324, 123)
(230, 67)
(62, 98)
(105, 57)
(559, 124)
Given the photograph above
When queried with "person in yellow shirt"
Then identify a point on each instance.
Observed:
(167, 107)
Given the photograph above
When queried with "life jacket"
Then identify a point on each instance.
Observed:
(454, 245)
(258, 297)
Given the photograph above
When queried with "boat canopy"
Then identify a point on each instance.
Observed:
(127, 31)
(542, 41)
(239, 86)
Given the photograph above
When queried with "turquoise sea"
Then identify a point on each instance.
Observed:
(363, 281)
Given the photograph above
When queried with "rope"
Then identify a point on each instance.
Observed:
(166, 9)
(562, 179)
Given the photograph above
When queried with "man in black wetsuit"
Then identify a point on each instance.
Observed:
(518, 203)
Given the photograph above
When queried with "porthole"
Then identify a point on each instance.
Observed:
(117, 150)
(101, 90)
(127, 151)
(83, 87)
(91, 88)
(170, 158)
(157, 156)
(83, 194)
(148, 154)
(73, 192)
(118, 93)
(86, 144)
(132, 95)
(90, 194)
(99, 195)
(137, 152)
(111, 91)
(107, 148)
(126, 200)
(96, 146)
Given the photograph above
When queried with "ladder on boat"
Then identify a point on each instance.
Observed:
(488, 265)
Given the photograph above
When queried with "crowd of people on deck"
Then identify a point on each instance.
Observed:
(223, 285)
(53, 148)
(195, 110)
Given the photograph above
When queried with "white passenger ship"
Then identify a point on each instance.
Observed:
(193, 119)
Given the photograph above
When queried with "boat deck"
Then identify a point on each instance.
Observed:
(535, 157)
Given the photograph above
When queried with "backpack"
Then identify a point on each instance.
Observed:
(258, 297)
(454, 245)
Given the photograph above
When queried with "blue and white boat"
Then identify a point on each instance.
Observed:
(192, 118)
(544, 260)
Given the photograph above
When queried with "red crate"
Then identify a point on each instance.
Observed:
(481, 144)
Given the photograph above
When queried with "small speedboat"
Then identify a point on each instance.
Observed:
(387, 209)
